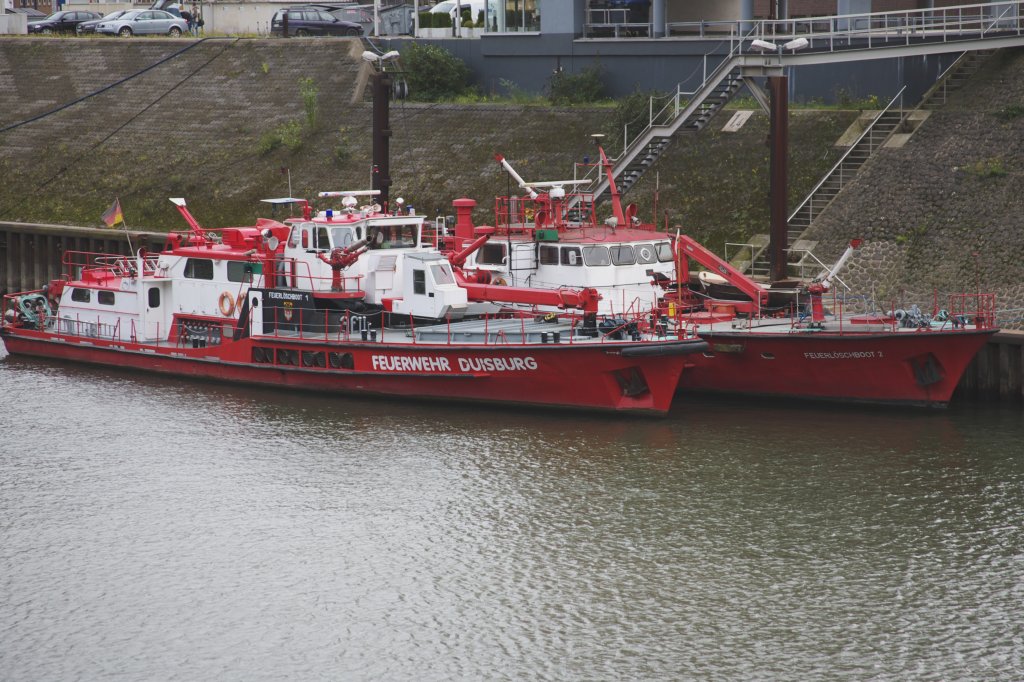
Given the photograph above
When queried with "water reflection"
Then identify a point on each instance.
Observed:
(156, 528)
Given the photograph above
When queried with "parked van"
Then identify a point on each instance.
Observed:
(451, 7)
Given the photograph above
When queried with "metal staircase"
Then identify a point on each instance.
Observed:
(881, 128)
(826, 40)
(642, 149)
(954, 78)
(714, 94)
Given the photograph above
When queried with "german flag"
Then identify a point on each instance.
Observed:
(112, 216)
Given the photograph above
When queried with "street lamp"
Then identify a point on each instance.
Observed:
(380, 175)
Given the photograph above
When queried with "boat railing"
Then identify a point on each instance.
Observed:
(333, 327)
(298, 275)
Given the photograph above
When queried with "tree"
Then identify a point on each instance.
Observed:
(434, 73)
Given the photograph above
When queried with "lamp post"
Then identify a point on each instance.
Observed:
(778, 87)
(381, 176)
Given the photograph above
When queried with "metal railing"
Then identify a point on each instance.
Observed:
(838, 168)
(839, 31)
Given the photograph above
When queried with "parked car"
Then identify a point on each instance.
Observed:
(87, 27)
(309, 21)
(144, 22)
(61, 22)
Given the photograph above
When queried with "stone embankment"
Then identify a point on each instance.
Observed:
(944, 213)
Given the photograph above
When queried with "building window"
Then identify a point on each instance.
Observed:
(505, 16)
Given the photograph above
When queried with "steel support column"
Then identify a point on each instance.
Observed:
(381, 135)
(779, 135)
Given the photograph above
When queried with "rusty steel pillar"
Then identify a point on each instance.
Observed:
(779, 134)
(381, 135)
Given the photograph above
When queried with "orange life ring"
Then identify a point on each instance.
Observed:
(227, 304)
(499, 282)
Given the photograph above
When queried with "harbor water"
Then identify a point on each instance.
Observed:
(162, 529)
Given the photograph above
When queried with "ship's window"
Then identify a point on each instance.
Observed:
(491, 254)
(419, 282)
(305, 238)
(322, 242)
(548, 254)
(596, 255)
(81, 295)
(571, 255)
(359, 233)
(199, 268)
(154, 297)
(293, 237)
(404, 236)
(105, 297)
(664, 252)
(342, 237)
(240, 271)
(622, 255)
(645, 253)
(442, 273)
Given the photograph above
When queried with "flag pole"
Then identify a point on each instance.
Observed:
(131, 249)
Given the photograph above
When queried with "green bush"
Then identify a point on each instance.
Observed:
(442, 20)
(580, 88)
(310, 100)
(287, 134)
(426, 19)
(434, 73)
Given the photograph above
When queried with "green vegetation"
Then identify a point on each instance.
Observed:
(584, 87)
(288, 134)
(988, 168)
(1008, 113)
(434, 73)
(310, 100)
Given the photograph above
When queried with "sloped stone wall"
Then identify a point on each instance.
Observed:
(945, 213)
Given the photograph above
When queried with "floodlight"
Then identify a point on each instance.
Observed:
(763, 46)
(798, 44)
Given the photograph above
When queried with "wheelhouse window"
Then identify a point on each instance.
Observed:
(665, 252)
(491, 254)
(105, 297)
(322, 240)
(596, 255)
(241, 271)
(442, 273)
(81, 295)
(419, 281)
(571, 255)
(645, 253)
(199, 268)
(623, 255)
(548, 254)
(395, 236)
(342, 237)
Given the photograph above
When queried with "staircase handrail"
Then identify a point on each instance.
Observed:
(867, 130)
(941, 81)
(726, 65)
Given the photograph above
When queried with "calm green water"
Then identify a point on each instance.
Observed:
(155, 529)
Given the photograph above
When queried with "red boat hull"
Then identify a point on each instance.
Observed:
(598, 377)
(915, 369)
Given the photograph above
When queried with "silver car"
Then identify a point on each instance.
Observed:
(144, 22)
